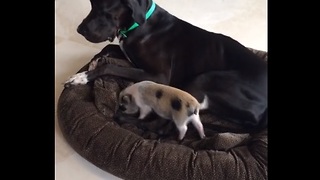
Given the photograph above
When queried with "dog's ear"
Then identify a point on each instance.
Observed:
(138, 10)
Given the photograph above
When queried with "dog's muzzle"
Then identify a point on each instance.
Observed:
(85, 32)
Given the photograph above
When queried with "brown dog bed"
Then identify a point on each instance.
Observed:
(86, 118)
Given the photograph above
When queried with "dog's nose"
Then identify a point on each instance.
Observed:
(82, 30)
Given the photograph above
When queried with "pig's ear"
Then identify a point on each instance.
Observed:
(126, 99)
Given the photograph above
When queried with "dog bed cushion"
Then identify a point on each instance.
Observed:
(86, 118)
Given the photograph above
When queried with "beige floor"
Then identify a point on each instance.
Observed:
(244, 20)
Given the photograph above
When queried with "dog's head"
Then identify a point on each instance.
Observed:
(107, 17)
(127, 104)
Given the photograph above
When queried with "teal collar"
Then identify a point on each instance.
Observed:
(135, 25)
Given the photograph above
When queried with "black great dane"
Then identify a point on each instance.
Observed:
(168, 50)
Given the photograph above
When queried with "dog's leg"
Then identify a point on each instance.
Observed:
(79, 78)
(121, 119)
(94, 63)
(130, 73)
(110, 50)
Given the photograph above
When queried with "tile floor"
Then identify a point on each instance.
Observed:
(244, 20)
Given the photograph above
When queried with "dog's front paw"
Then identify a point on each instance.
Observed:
(80, 78)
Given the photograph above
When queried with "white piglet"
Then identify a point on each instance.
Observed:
(168, 102)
